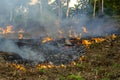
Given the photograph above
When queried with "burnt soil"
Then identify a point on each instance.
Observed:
(101, 62)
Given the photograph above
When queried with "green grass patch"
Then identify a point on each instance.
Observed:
(75, 77)
(79, 65)
(105, 79)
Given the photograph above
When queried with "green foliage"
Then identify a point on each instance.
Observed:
(96, 70)
(79, 65)
(94, 45)
(116, 65)
(42, 71)
(75, 77)
(62, 78)
(105, 79)
(112, 7)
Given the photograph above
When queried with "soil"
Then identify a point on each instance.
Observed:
(101, 62)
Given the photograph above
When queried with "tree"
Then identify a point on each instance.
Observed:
(112, 7)
(101, 7)
(94, 12)
(68, 9)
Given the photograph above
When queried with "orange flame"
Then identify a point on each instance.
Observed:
(18, 67)
(98, 40)
(47, 39)
(2, 31)
(60, 33)
(84, 29)
(46, 66)
(113, 36)
(86, 42)
(20, 36)
(70, 32)
(8, 29)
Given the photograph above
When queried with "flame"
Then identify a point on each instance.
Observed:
(70, 32)
(86, 42)
(60, 33)
(2, 31)
(8, 29)
(76, 35)
(98, 40)
(21, 31)
(82, 58)
(84, 29)
(39, 66)
(47, 39)
(113, 36)
(49, 66)
(73, 63)
(18, 67)
(20, 36)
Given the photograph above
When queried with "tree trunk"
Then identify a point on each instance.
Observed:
(101, 6)
(94, 13)
(60, 10)
(40, 7)
(68, 9)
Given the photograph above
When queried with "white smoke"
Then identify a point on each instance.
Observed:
(24, 52)
(39, 22)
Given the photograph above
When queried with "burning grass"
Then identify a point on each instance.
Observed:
(100, 63)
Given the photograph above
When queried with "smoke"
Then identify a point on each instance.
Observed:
(39, 19)
(24, 52)
(101, 26)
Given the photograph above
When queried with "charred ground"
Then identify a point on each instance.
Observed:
(102, 62)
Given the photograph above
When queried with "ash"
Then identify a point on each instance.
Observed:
(56, 51)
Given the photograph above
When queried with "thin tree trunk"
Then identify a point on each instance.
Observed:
(101, 4)
(40, 7)
(94, 13)
(103, 7)
(60, 10)
(68, 9)
(11, 16)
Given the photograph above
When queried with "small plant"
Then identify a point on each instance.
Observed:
(105, 79)
(96, 70)
(79, 65)
(94, 45)
(62, 78)
(42, 71)
(116, 65)
(75, 77)
(109, 74)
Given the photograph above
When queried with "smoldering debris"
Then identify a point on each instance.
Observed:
(56, 51)
(25, 52)
(39, 22)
